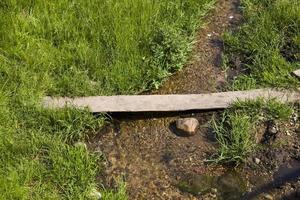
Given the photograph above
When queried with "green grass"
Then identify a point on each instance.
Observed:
(233, 135)
(116, 195)
(72, 48)
(265, 49)
(234, 130)
(264, 110)
(80, 47)
(266, 45)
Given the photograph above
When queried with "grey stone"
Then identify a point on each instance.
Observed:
(273, 128)
(257, 160)
(295, 117)
(187, 125)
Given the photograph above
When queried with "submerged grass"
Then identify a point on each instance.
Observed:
(71, 48)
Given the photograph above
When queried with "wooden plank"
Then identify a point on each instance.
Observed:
(149, 103)
(297, 73)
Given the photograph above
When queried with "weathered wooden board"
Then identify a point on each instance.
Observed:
(160, 103)
(297, 73)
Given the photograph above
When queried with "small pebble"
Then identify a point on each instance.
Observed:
(272, 128)
(268, 197)
(209, 35)
(257, 161)
(295, 117)
(95, 194)
(214, 190)
(288, 133)
(231, 17)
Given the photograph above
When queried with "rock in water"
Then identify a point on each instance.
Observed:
(268, 197)
(231, 186)
(196, 184)
(187, 125)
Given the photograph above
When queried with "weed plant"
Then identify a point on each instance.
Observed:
(233, 135)
(235, 127)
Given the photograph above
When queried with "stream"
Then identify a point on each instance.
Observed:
(143, 150)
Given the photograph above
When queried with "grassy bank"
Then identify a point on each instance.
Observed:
(235, 130)
(265, 49)
(77, 47)
(99, 47)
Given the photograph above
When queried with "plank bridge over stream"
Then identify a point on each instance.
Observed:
(164, 103)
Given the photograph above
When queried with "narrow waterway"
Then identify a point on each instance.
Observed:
(143, 150)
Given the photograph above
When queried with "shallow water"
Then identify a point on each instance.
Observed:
(145, 150)
(229, 185)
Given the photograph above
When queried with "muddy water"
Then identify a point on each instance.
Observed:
(155, 162)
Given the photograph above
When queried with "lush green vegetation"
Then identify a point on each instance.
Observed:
(77, 47)
(234, 131)
(266, 47)
(98, 47)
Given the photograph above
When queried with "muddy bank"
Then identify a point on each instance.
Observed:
(274, 168)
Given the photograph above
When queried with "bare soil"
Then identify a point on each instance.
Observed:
(277, 174)
(155, 162)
